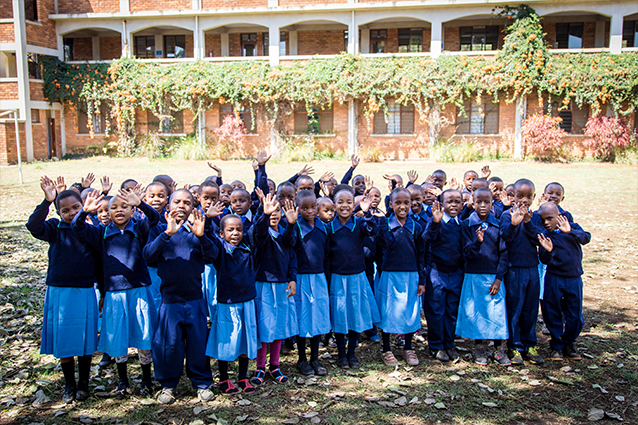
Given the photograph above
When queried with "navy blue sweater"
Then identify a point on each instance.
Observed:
(566, 259)
(346, 244)
(276, 258)
(72, 263)
(312, 246)
(488, 257)
(403, 246)
(444, 245)
(521, 240)
(180, 262)
(124, 265)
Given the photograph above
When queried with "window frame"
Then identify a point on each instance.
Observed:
(175, 45)
(315, 120)
(569, 26)
(243, 43)
(412, 33)
(69, 55)
(146, 38)
(568, 114)
(475, 31)
(99, 120)
(403, 110)
(469, 106)
(35, 113)
(630, 36)
(34, 68)
(228, 109)
(31, 5)
(165, 126)
(378, 38)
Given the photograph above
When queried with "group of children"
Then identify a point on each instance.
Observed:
(301, 260)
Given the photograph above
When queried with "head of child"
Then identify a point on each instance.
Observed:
(344, 203)
(120, 212)
(509, 193)
(128, 185)
(359, 185)
(211, 179)
(469, 177)
(103, 215)
(524, 192)
(482, 202)
(478, 184)
(240, 201)
(555, 192)
(272, 187)
(77, 187)
(375, 198)
(182, 203)
(498, 188)
(275, 218)
(325, 209)
(194, 190)
(238, 184)
(549, 213)
(231, 229)
(208, 194)
(304, 183)
(331, 185)
(402, 202)
(68, 204)
(428, 196)
(85, 193)
(286, 191)
(156, 196)
(416, 196)
(452, 202)
(307, 203)
(167, 181)
(439, 179)
(225, 191)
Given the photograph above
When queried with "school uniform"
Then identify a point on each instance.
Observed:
(181, 331)
(352, 304)
(129, 315)
(563, 299)
(481, 315)
(522, 284)
(444, 280)
(156, 281)
(402, 272)
(497, 209)
(69, 323)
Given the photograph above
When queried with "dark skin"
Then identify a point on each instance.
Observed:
(417, 199)
(225, 191)
(308, 210)
(208, 196)
(326, 210)
(497, 190)
(359, 185)
(156, 197)
(468, 178)
(103, 213)
(233, 231)
(554, 193)
(523, 197)
(452, 205)
(285, 194)
(429, 193)
(439, 180)
(477, 184)
(401, 205)
(240, 202)
(483, 206)
(304, 183)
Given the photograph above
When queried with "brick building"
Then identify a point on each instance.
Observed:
(281, 31)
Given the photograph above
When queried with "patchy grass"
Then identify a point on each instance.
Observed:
(602, 197)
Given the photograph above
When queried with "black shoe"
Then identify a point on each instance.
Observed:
(556, 355)
(106, 361)
(570, 352)
(69, 394)
(82, 392)
(442, 356)
(343, 363)
(318, 368)
(122, 390)
(452, 354)
(304, 368)
(354, 363)
(146, 389)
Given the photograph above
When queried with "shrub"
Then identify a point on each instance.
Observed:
(607, 137)
(297, 150)
(449, 152)
(231, 131)
(150, 146)
(370, 154)
(190, 149)
(543, 136)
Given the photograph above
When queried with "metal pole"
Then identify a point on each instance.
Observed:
(15, 119)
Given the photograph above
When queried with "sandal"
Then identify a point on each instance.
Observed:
(278, 376)
(227, 387)
(389, 359)
(246, 386)
(258, 377)
(410, 357)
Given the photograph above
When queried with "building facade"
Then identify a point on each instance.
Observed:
(281, 31)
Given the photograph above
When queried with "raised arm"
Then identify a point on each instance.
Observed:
(37, 224)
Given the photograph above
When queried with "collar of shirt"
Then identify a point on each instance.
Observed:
(447, 218)
(420, 216)
(275, 233)
(230, 248)
(63, 225)
(475, 219)
(350, 224)
(393, 223)
(305, 228)
(248, 216)
(112, 229)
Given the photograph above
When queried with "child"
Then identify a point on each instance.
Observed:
(352, 305)
(156, 196)
(445, 275)
(468, 178)
(496, 186)
(208, 195)
(522, 285)
(555, 192)
(563, 299)
(194, 190)
(326, 209)
(416, 206)
(240, 204)
(311, 244)
(225, 190)
(482, 312)
(508, 199)
(69, 323)
(103, 215)
(180, 249)
(438, 179)
(304, 183)
(129, 315)
(401, 283)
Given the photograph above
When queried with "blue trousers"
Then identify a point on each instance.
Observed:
(522, 291)
(563, 309)
(182, 333)
(441, 306)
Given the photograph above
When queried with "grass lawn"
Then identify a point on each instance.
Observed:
(602, 198)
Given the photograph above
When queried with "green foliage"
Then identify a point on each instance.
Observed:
(453, 152)
(370, 154)
(297, 150)
(627, 157)
(152, 146)
(190, 149)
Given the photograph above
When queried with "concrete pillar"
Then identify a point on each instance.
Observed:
(273, 48)
(365, 40)
(225, 39)
(201, 128)
(124, 6)
(600, 34)
(436, 39)
(353, 35)
(353, 129)
(521, 111)
(197, 4)
(22, 69)
(159, 46)
(62, 131)
(275, 146)
(95, 41)
(126, 41)
(615, 34)
(273, 3)
(294, 43)
(198, 41)
(60, 47)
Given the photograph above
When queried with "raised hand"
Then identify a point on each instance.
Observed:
(545, 242)
(429, 179)
(215, 210)
(131, 197)
(369, 184)
(88, 180)
(262, 157)
(324, 189)
(326, 176)
(480, 233)
(291, 212)
(413, 176)
(198, 223)
(92, 201)
(172, 225)
(518, 214)
(60, 186)
(291, 288)
(563, 224)
(486, 172)
(48, 187)
(354, 160)
(139, 190)
(495, 287)
(215, 168)
(377, 212)
(306, 170)
(255, 164)
(270, 204)
(437, 212)
(435, 191)
(470, 203)
(173, 186)
(366, 202)
(260, 195)
(542, 199)
(454, 183)
(106, 184)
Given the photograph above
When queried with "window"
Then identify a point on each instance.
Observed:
(68, 49)
(574, 118)
(98, 119)
(34, 66)
(35, 116)
(174, 46)
(479, 38)
(31, 10)
(317, 121)
(378, 39)
(282, 44)
(630, 34)
(145, 46)
(169, 124)
(249, 44)
(479, 119)
(400, 119)
(245, 114)
(569, 36)
(410, 40)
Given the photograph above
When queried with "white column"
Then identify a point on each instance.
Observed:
(353, 128)
(600, 34)
(365, 40)
(521, 111)
(198, 41)
(197, 4)
(201, 128)
(95, 41)
(159, 45)
(353, 35)
(60, 47)
(436, 39)
(273, 3)
(615, 34)
(273, 48)
(225, 39)
(127, 50)
(294, 43)
(22, 73)
(124, 6)
(62, 132)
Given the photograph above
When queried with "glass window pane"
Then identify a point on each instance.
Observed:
(380, 126)
(416, 40)
(576, 36)
(491, 37)
(562, 36)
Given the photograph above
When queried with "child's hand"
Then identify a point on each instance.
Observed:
(420, 291)
(139, 191)
(255, 165)
(325, 190)
(354, 160)
(270, 204)
(306, 170)
(366, 202)
(60, 186)
(198, 223)
(88, 180)
(106, 184)
(542, 199)
(437, 212)
(495, 287)
(470, 203)
(369, 184)
(435, 191)
(545, 242)
(518, 213)
(326, 176)
(215, 210)
(480, 234)
(262, 157)
(486, 172)
(492, 188)
(131, 197)
(101, 305)
(413, 176)
(291, 212)
(528, 215)
(172, 225)
(92, 201)
(563, 224)
(48, 187)
(292, 288)
(454, 183)
(215, 168)
(260, 195)
(173, 187)
(377, 212)
(429, 179)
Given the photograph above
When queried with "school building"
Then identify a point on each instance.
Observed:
(280, 31)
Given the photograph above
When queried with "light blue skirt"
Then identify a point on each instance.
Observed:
(209, 289)
(399, 306)
(276, 312)
(352, 305)
(97, 297)
(129, 319)
(233, 332)
(481, 315)
(154, 288)
(313, 305)
(69, 323)
(542, 269)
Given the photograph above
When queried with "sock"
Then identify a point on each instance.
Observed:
(314, 347)
(353, 340)
(84, 371)
(386, 342)
(243, 368)
(146, 373)
(261, 354)
(223, 370)
(341, 344)
(68, 370)
(121, 373)
(408, 341)
(301, 347)
(275, 349)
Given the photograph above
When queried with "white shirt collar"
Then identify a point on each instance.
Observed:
(447, 218)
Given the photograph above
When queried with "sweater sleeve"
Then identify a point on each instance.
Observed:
(507, 229)
(209, 249)
(503, 259)
(92, 235)
(421, 251)
(158, 239)
(292, 266)
(369, 225)
(37, 224)
(348, 176)
(581, 236)
(471, 244)
(431, 231)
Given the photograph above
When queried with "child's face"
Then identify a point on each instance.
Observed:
(477, 184)
(275, 217)
(308, 209)
(554, 193)
(208, 196)
(120, 212)
(509, 193)
(271, 186)
(194, 190)
(482, 204)
(439, 180)
(466, 197)
(68, 208)
(359, 185)
(238, 185)
(129, 186)
(344, 204)
(469, 178)
(375, 196)
(156, 197)
(166, 181)
(239, 202)
(452, 203)
(549, 218)
(233, 231)
(326, 211)
(332, 183)
(416, 201)
(401, 204)
(182, 204)
(428, 197)
(524, 195)
(286, 193)
(103, 213)
(497, 193)
(224, 194)
(304, 183)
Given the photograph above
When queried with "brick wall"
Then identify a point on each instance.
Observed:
(43, 35)
(39, 135)
(234, 44)
(88, 6)
(83, 49)
(308, 2)
(189, 46)
(6, 10)
(427, 36)
(224, 4)
(8, 90)
(76, 142)
(110, 48)
(212, 45)
(7, 33)
(589, 35)
(35, 90)
(8, 153)
(145, 5)
(451, 39)
(320, 42)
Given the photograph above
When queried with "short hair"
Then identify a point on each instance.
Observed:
(285, 184)
(482, 190)
(211, 179)
(480, 180)
(222, 223)
(304, 194)
(127, 181)
(207, 183)
(447, 191)
(324, 199)
(468, 172)
(398, 190)
(67, 194)
(548, 205)
(159, 184)
(182, 190)
(509, 185)
(341, 187)
(242, 192)
(225, 184)
(165, 179)
(412, 188)
(77, 186)
(495, 180)
(106, 199)
(524, 182)
(439, 172)
(303, 177)
(359, 175)
(192, 186)
(86, 191)
(554, 183)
